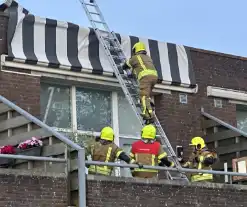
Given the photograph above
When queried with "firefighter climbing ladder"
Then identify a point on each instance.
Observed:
(115, 54)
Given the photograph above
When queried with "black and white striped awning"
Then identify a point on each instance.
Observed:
(58, 44)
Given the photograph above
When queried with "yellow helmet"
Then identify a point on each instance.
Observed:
(198, 141)
(107, 133)
(149, 132)
(139, 46)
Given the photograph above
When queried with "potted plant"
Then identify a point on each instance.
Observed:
(30, 147)
(6, 162)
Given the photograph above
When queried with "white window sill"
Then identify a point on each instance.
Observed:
(233, 95)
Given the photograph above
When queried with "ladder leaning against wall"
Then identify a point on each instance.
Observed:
(116, 57)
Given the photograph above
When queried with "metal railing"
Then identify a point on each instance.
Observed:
(83, 163)
(62, 138)
(244, 134)
(33, 158)
(181, 170)
(81, 154)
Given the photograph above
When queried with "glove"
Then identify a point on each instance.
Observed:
(185, 165)
(140, 165)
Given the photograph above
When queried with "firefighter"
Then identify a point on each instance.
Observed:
(148, 151)
(142, 67)
(105, 150)
(202, 159)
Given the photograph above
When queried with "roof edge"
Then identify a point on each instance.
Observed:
(217, 53)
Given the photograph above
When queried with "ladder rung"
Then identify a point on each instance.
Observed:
(109, 38)
(96, 21)
(133, 91)
(177, 178)
(118, 57)
(138, 105)
(115, 48)
(88, 4)
(132, 87)
(134, 94)
(94, 13)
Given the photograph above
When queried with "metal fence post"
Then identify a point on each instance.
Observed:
(82, 178)
(226, 169)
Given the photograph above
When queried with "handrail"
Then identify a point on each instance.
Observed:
(183, 170)
(223, 123)
(35, 158)
(40, 123)
(61, 137)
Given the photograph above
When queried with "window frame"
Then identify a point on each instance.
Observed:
(240, 110)
(115, 115)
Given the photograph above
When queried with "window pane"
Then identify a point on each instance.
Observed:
(129, 125)
(55, 105)
(242, 117)
(93, 109)
(125, 172)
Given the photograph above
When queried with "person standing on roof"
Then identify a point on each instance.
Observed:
(202, 159)
(143, 69)
(148, 151)
(105, 150)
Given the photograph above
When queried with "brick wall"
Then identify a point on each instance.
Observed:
(182, 121)
(23, 89)
(21, 189)
(103, 192)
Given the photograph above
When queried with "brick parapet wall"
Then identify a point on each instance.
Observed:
(28, 188)
(109, 191)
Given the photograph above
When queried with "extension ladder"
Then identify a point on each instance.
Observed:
(116, 56)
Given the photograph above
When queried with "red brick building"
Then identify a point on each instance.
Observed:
(74, 100)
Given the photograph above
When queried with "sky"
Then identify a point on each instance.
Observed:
(207, 24)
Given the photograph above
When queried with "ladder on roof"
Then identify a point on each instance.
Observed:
(116, 56)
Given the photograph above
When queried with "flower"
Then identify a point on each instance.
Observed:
(33, 142)
(7, 150)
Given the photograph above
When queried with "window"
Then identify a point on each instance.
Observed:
(93, 109)
(89, 109)
(55, 105)
(183, 98)
(241, 114)
(217, 103)
(129, 125)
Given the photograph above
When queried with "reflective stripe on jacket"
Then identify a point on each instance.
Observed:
(147, 154)
(196, 161)
(201, 177)
(142, 65)
(104, 153)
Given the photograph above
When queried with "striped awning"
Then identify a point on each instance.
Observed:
(65, 45)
